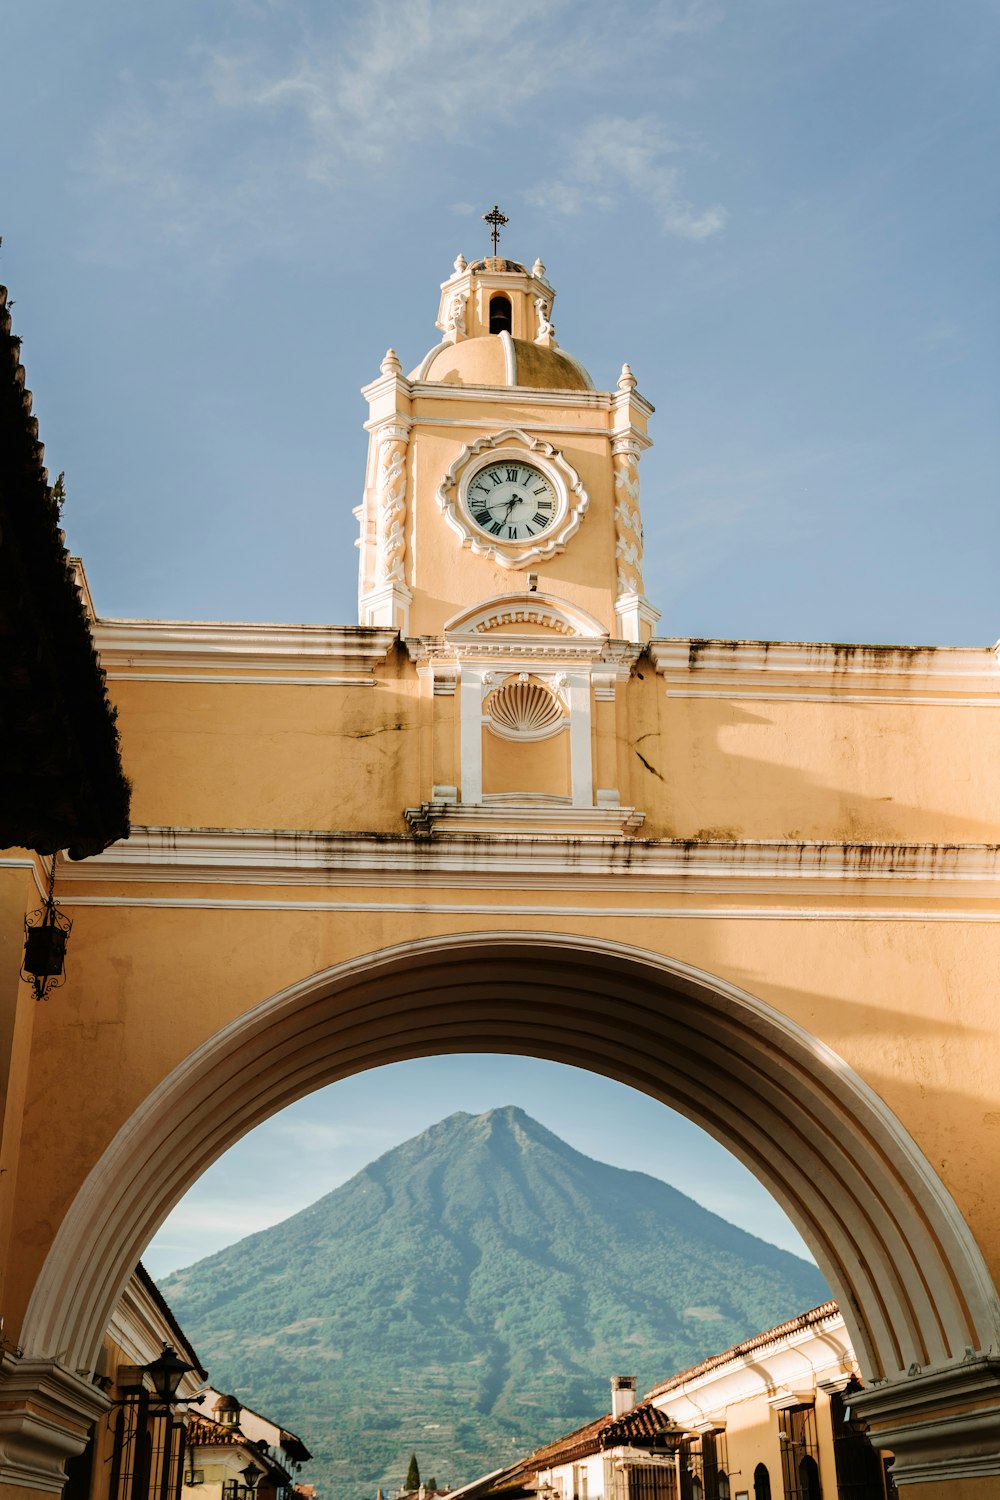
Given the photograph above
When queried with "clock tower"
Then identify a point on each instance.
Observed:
(501, 536)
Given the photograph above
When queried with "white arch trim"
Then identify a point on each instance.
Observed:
(910, 1280)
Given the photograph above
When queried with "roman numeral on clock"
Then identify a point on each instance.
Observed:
(483, 518)
(539, 519)
(512, 476)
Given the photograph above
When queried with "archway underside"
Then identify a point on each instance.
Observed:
(910, 1281)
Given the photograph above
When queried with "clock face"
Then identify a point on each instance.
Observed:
(512, 501)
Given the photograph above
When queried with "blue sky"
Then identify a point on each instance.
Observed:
(217, 214)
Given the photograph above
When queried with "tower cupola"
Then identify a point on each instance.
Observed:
(495, 317)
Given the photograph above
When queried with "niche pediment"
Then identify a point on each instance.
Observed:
(528, 614)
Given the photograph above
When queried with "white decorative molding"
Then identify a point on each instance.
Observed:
(545, 329)
(386, 602)
(387, 607)
(470, 710)
(829, 873)
(533, 611)
(454, 313)
(905, 1415)
(430, 390)
(513, 443)
(522, 814)
(46, 1413)
(522, 649)
(635, 615)
(581, 740)
(522, 836)
(599, 655)
(476, 674)
(628, 521)
(178, 651)
(817, 672)
(509, 358)
(480, 423)
(606, 675)
(520, 707)
(392, 440)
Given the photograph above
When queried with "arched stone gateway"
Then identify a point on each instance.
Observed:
(757, 880)
(910, 1280)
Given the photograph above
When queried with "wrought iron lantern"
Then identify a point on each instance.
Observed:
(166, 1373)
(46, 933)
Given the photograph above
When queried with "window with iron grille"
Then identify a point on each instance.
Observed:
(692, 1485)
(799, 1453)
(631, 1480)
(715, 1464)
(147, 1454)
(704, 1466)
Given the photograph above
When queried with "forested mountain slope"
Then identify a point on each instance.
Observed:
(468, 1295)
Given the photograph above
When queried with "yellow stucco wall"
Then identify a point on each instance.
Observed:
(17, 1018)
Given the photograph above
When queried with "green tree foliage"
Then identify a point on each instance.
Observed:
(413, 1474)
(470, 1293)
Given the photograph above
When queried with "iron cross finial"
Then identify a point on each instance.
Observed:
(496, 218)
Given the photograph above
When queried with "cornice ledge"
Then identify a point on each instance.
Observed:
(961, 1444)
(510, 395)
(690, 663)
(506, 819)
(569, 649)
(157, 853)
(201, 645)
(388, 381)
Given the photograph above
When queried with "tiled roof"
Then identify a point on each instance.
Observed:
(204, 1433)
(180, 1339)
(59, 753)
(638, 1428)
(749, 1346)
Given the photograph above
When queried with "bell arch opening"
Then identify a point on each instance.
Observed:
(501, 313)
(911, 1283)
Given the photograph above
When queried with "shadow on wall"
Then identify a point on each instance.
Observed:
(695, 764)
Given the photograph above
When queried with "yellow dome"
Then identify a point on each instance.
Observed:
(496, 359)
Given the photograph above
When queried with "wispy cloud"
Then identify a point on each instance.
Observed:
(241, 127)
(615, 159)
(317, 1137)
